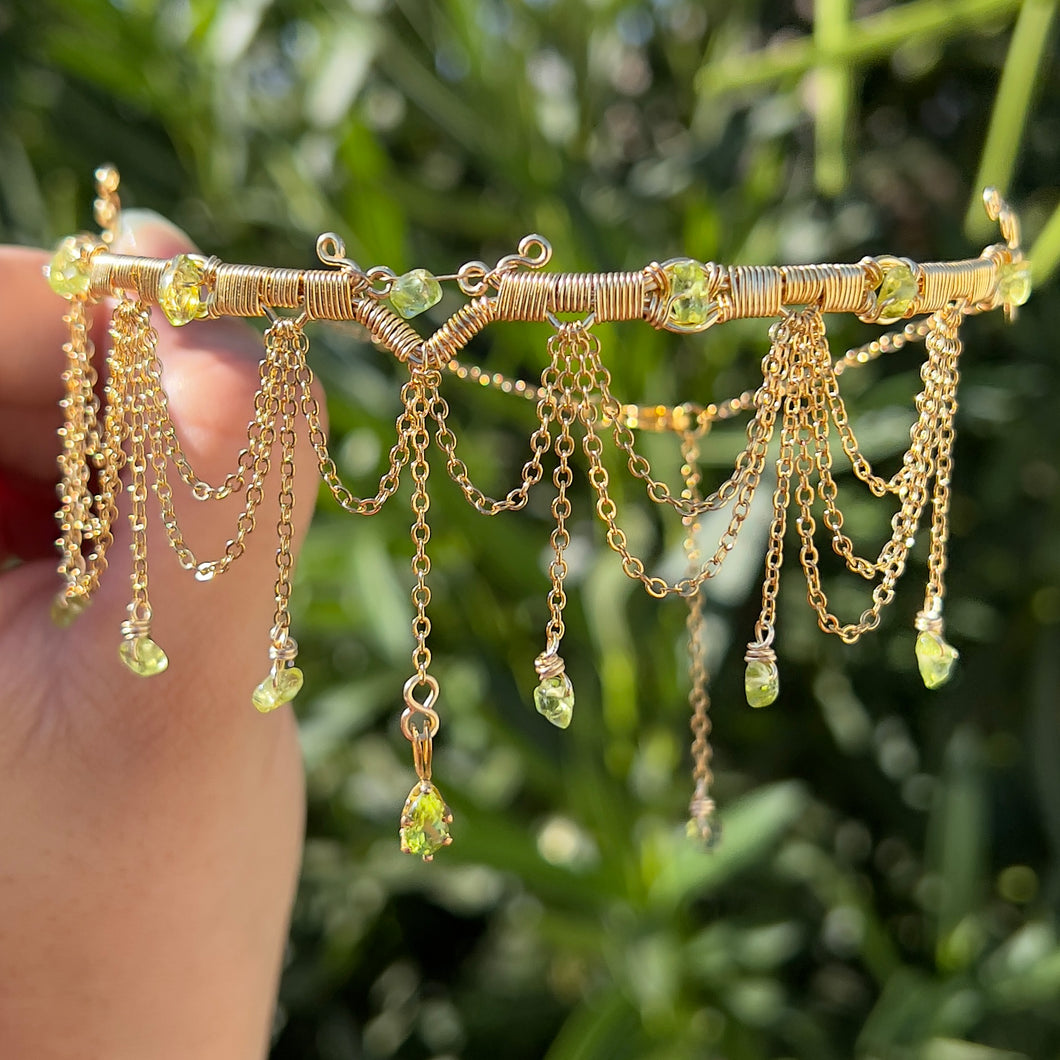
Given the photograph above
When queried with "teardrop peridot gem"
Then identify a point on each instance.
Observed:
(70, 270)
(935, 658)
(180, 289)
(1014, 282)
(896, 293)
(692, 304)
(415, 293)
(425, 822)
(761, 682)
(273, 692)
(143, 656)
(554, 698)
(705, 830)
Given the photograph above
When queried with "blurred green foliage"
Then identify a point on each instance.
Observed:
(887, 886)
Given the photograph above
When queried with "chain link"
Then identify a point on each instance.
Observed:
(286, 345)
(140, 605)
(77, 405)
(944, 339)
(417, 393)
(564, 349)
(398, 458)
(701, 808)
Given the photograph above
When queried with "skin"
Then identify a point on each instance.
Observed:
(150, 828)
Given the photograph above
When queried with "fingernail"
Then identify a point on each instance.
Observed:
(149, 234)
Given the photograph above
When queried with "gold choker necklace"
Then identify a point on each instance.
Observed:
(798, 400)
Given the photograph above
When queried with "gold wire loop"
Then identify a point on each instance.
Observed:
(289, 327)
(380, 280)
(997, 209)
(549, 663)
(473, 278)
(107, 207)
(476, 278)
(535, 252)
(284, 648)
(331, 250)
(413, 707)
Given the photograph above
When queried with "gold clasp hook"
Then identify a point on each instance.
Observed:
(1013, 286)
(1008, 220)
(476, 277)
(107, 207)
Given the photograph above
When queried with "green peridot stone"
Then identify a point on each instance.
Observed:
(273, 692)
(896, 293)
(554, 698)
(415, 293)
(1014, 282)
(143, 656)
(935, 658)
(70, 270)
(761, 682)
(705, 830)
(65, 609)
(180, 289)
(425, 822)
(692, 305)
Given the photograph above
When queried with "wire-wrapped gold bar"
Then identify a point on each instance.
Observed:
(655, 294)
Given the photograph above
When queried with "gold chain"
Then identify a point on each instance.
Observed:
(945, 340)
(702, 823)
(77, 404)
(421, 531)
(288, 340)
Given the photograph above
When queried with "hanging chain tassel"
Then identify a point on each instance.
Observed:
(702, 816)
(425, 819)
(935, 657)
(761, 676)
(84, 517)
(554, 694)
(287, 345)
(138, 650)
(74, 489)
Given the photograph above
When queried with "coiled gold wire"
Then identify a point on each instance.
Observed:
(389, 330)
(838, 288)
(752, 291)
(946, 282)
(333, 295)
(458, 331)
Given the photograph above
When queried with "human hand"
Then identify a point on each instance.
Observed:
(150, 828)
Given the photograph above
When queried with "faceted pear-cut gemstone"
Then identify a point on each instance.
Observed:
(935, 658)
(70, 270)
(425, 821)
(65, 609)
(692, 305)
(273, 692)
(761, 682)
(554, 698)
(896, 293)
(180, 289)
(1014, 282)
(415, 293)
(143, 656)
